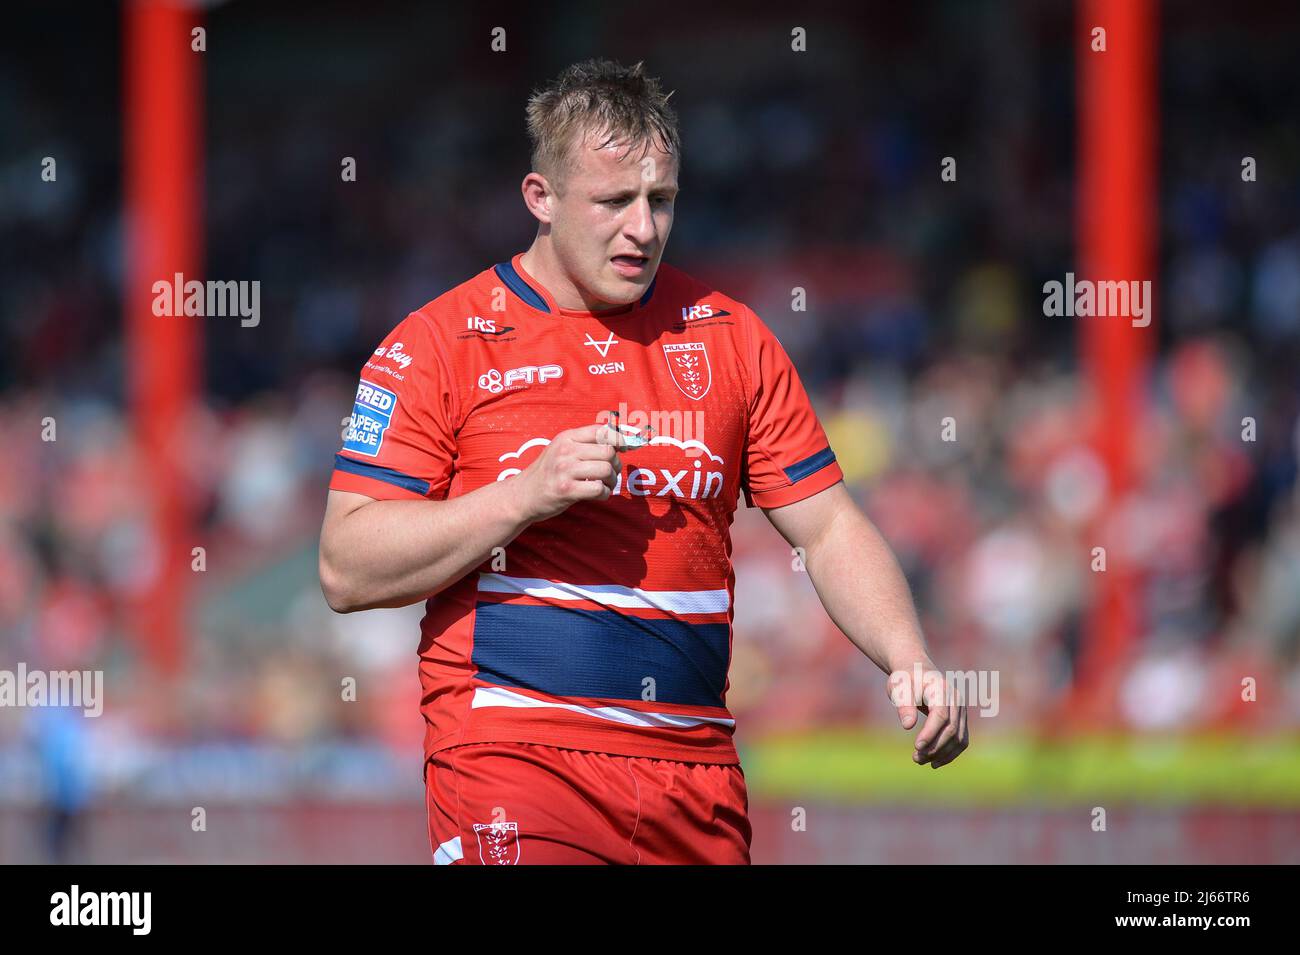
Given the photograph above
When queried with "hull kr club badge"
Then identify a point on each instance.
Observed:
(689, 364)
(498, 842)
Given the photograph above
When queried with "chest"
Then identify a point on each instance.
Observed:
(687, 391)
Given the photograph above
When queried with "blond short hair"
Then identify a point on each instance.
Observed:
(617, 102)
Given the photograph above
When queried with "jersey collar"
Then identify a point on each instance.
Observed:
(533, 294)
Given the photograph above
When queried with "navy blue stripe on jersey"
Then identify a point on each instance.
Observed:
(810, 465)
(519, 285)
(387, 475)
(566, 651)
(649, 291)
(515, 282)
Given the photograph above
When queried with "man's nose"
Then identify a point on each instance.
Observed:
(640, 225)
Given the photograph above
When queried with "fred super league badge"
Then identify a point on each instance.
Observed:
(371, 415)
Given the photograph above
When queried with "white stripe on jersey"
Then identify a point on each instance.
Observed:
(500, 696)
(448, 852)
(610, 595)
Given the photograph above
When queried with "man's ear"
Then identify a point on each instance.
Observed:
(538, 195)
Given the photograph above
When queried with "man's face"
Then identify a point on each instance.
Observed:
(611, 218)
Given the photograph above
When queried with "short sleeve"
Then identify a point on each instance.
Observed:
(400, 442)
(787, 455)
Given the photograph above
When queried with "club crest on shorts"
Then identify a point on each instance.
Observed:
(498, 842)
(689, 364)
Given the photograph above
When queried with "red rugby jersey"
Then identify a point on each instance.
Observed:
(607, 627)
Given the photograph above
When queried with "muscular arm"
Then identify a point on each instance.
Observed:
(856, 576)
(863, 590)
(393, 553)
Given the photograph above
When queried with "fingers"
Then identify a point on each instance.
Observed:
(939, 728)
(601, 435)
(594, 470)
(951, 745)
(580, 464)
(957, 745)
(582, 458)
(912, 699)
(899, 688)
(610, 434)
(592, 490)
(599, 452)
(943, 736)
(587, 434)
(596, 442)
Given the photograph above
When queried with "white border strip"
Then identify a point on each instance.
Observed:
(610, 595)
(448, 852)
(500, 696)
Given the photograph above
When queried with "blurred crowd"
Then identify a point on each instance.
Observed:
(923, 302)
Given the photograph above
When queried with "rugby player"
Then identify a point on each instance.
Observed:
(551, 454)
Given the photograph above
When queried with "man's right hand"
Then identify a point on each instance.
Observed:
(581, 464)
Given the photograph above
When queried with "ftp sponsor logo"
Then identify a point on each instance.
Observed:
(496, 382)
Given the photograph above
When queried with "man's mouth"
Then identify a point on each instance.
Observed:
(630, 265)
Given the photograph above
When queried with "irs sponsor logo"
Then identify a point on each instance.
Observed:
(495, 382)
(372, 413)
(606, 368)
(498, 842)
(486, 326)
(688, 362)
(695, 313)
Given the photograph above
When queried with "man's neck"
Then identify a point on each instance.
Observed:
(540, 262)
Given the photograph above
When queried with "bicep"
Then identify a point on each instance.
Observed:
(338, 505)
(801, 522)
